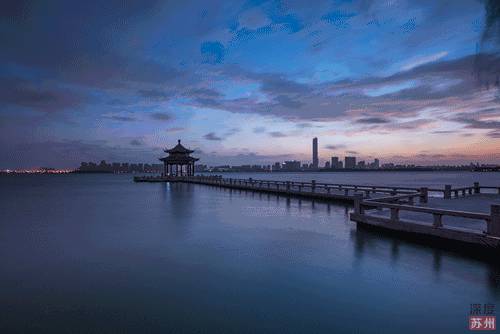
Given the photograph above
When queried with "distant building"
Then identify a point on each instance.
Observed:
(200, 168)
(361, 165)
(376, 164)
(335, 163)
(293, 165)
(276, 166)
(315, 161)
(350, 162)
(327, 164)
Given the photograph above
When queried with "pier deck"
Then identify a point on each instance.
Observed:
(313, 189)
(471, 214)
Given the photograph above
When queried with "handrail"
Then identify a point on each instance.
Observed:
(444, 212)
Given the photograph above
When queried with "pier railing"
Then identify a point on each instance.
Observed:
(307, 187)
(361, 206)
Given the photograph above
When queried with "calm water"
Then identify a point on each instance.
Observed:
(98, 253)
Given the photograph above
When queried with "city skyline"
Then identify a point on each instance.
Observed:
(251, 85)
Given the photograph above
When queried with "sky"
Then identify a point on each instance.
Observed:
(249, 81)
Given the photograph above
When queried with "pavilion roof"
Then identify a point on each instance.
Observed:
(179, 159)
(179, 149)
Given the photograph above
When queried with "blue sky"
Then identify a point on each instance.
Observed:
(250, 81)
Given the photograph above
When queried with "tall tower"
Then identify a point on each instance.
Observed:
(315, 153)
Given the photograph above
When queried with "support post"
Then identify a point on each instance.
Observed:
(394, 215)
(358, 207)
(313, 185)
(447, 191)
(287, 186)
(494, 222)
(424, 195)
(477, 190)
(438, 220)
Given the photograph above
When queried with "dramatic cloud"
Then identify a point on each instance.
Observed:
(39, 97)
(369, 73)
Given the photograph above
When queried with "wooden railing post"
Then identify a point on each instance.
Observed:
(287, 186)
(447, 191)
(424, 195)
(313, 185)
(477, 189)
(494, 222)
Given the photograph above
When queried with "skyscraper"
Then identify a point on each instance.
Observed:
(335, 162)
(350, 162)
(315, 153)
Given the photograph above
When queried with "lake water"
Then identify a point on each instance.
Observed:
(98, 253)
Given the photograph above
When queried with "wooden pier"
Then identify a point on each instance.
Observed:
(386, 208)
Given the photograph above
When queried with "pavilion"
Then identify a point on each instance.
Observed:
(178, 162)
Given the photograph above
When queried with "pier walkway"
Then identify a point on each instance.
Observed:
(313, 189)
(468, 215)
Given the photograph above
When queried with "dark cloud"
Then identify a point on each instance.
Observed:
(231, 132)
(335, 147)
(160, 116)
(203, 92)
(352, 152)
(121, 118)
(176, 129)
(154, 94)
(212, 136)
(338, 18)
(277, 134)
(440, 84)
(136, 142)
(492, 21)
(372, 120)
(21, 93)
(494, 134)
(471, 123)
